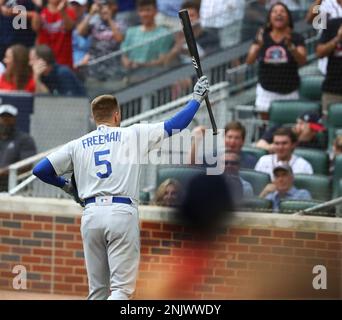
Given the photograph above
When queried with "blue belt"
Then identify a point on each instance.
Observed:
(114, 200)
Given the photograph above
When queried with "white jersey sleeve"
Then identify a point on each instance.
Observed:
(61, 159)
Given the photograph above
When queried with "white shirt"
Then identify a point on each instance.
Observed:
(221, 13)
(268, 162)
(107, 160)
(332, 8)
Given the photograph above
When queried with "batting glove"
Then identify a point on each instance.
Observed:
(71, 189)
(201, 89)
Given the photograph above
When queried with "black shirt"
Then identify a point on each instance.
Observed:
(333, 79)
(15, 148)
(278, 70)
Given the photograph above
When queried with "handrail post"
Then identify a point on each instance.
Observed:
(12, 177)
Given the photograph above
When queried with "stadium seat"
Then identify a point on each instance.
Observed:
(144, 197)
(311, 87)
(257, 179)
(257, 152)
(288, 111)
(292, 206)
(256, 203)
(319, 159)
(181, 173)
(318, 185)
(337, 176)
(334, 121)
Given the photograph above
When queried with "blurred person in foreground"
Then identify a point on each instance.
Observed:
(51, 77)
(168, 193)
(280, 52)
(308, 125)
(15, 145)
(284, 188)
(205, 211)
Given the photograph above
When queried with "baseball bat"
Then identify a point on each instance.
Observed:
(191, 43)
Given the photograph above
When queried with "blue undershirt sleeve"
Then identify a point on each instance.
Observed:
(183, 118)
(45, 172)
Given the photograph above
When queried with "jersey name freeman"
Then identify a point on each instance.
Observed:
(101, 139)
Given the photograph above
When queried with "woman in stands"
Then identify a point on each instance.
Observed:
(280, 52)
(18, 73)
(168, 193)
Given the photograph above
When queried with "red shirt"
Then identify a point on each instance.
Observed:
(53, 34)
(9, 86)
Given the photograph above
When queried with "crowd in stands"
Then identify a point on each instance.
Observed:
(54, 55)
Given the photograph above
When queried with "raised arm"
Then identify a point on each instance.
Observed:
(183, 118)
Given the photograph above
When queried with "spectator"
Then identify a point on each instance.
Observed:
(226, 17)
(232, 167)
(235, 134)
(51, 77)
(54, 27)
(6, 28)
(150, 53)
(18, 74)
(80, 43)
(280, 51)
(328, 9)
(106, 35)
(330, 45)
(307, 127)
(207, 40)
(284, 143)
(284, 188)
(336, 151)
(253, 19)
(167, 15)
(14, 144)
(168, 193)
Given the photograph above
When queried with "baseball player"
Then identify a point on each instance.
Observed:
(108, 188)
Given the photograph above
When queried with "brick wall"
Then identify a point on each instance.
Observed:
(258, 248)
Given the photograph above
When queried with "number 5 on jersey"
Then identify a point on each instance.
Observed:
(99, 162)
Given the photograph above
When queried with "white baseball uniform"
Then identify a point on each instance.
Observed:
(106, 167)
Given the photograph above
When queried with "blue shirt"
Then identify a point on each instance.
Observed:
(80, 47)
(62, 81)
(292, 194)
(247, 161)
(247, 188)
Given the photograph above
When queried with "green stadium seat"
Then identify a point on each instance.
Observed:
(257, 204)
(144, 197)
(181, 173)
(337, 176)
(318, 185)
(292, 206)
(319, 159)
(311, 87)
(257, 179)
(288, 111)
(257, 152)
(334, 121)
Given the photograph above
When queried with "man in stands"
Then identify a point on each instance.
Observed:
(307, 128)
(284, 188)
(14, 144)
(284, 143)
(152, 54)
(51, 77)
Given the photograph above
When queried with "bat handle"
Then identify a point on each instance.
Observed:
(211, 116)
